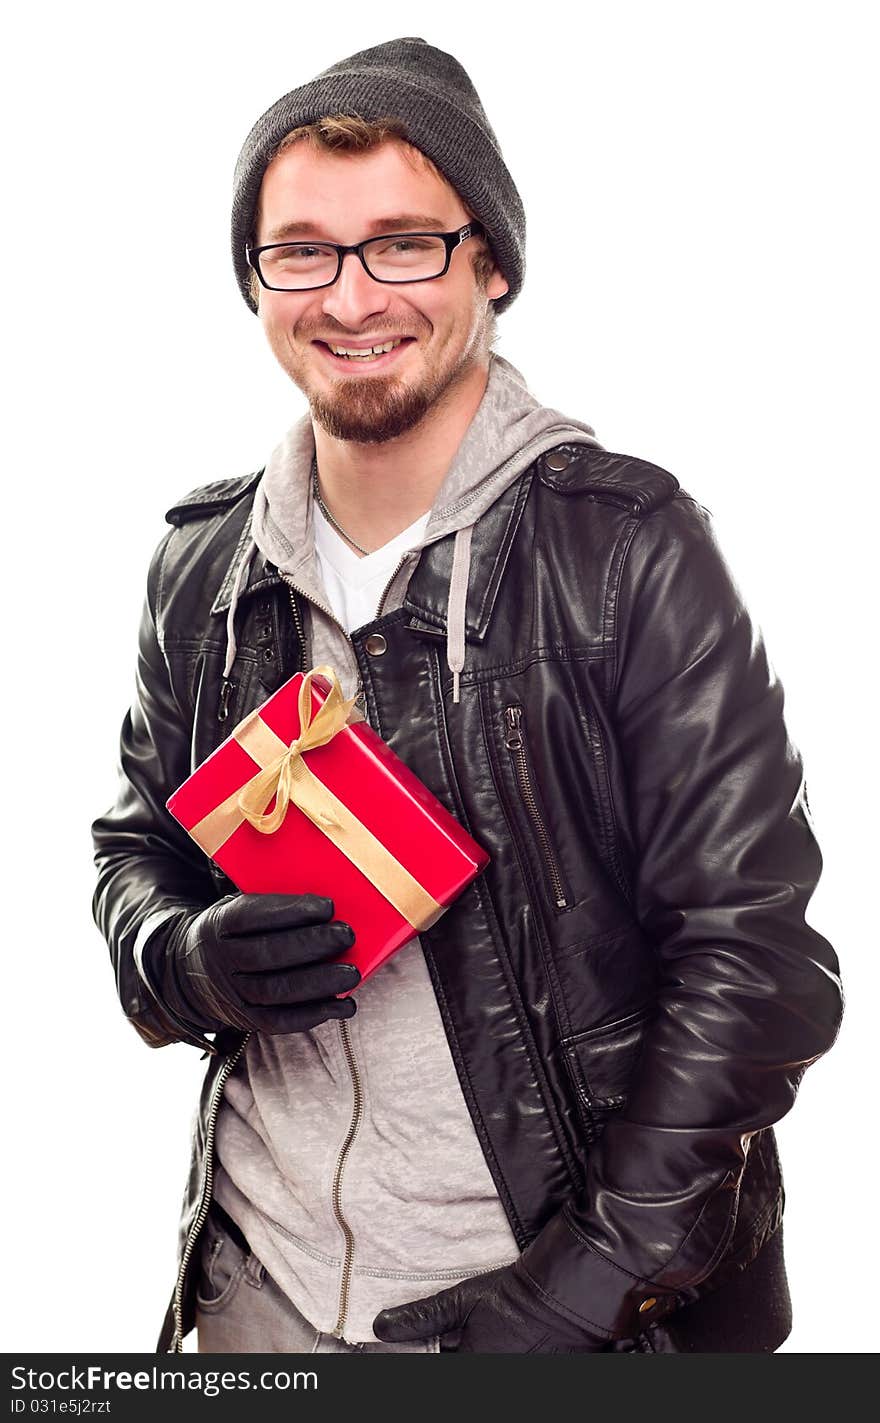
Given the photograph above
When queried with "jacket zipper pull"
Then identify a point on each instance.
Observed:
(226, 691)
(513, 740)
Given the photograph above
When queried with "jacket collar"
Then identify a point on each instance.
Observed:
(493, 535)
(261, 573)
(428, 590)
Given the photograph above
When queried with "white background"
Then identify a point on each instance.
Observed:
(699, 182)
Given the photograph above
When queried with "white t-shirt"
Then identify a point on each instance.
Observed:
(354, 583)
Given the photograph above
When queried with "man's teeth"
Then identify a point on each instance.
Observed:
(364, 355)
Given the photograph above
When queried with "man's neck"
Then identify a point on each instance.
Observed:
(377, 491)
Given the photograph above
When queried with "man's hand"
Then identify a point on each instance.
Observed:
(501, 1312)
(259, 961)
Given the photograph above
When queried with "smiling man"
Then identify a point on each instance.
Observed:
(545, 1125)
(386, 422)
(426, 343)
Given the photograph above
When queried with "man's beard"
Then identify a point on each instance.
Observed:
(374, 409)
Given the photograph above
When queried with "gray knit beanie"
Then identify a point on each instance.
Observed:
(430, 93)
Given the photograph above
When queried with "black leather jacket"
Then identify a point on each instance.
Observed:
(630, 991)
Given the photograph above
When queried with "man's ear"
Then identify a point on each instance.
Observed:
(497, 285)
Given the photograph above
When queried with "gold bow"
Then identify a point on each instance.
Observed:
(285, 775)
(287, 771)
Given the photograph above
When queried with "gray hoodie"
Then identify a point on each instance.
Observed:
(416, 1194)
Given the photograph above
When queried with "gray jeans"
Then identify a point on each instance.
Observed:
(241, 1310)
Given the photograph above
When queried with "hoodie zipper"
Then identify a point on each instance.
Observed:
(357, 1109)
(300, 630)
(358, 1096)
(344, 1033)
(207, 1190)
(516, 745)
(387, 589)
(348, 1051)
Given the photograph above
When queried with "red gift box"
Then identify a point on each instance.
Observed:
(329, 810)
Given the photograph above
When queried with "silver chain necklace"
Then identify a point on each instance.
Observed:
(326, 512)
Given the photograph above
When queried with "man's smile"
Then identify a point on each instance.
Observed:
(355, 354)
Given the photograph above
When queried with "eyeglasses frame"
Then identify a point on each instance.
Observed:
(451, 239)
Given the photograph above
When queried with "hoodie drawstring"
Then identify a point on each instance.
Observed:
(231, 644)
(456, 607)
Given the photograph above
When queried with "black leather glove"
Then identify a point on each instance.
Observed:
(257, 961)
(501, 1312)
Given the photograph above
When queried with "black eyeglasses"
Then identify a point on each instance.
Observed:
(396, 257)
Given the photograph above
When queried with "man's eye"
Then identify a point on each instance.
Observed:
(301, 253)
(399, 246)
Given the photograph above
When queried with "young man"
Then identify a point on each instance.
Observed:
(545, 1124)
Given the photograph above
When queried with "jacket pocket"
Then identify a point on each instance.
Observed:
(517, 750)
(601, 1063)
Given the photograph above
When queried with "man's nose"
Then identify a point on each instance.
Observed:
(354, 295)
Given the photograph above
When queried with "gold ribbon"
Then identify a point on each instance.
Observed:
(285, 775)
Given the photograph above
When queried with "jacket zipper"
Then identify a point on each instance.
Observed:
(515, 744)
(207, 1190)
(345, 1282)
